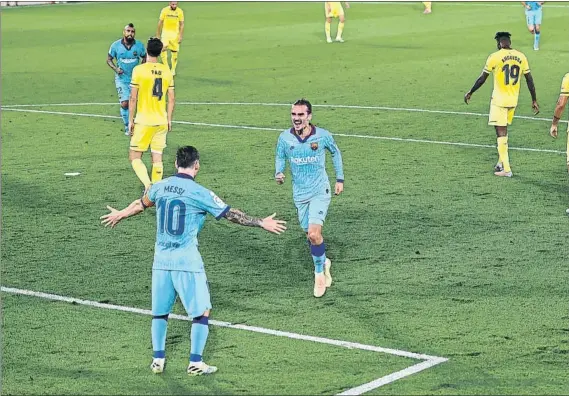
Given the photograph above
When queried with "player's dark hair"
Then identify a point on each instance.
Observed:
(187, 156)
(502, 35)
(154, 46)
(304, 102)
(130, 25)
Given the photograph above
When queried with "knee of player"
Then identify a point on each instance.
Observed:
(314, 237)
(342, 19)
(537, 30)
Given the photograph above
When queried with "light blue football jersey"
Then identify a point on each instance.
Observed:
(181, 209)
(307, 159)
(533, 5)
(126, 58)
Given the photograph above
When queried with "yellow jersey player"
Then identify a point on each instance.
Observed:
(151, 83)
(508, 65)
(333, 9)
(428, 7)
(558, 113)
(171, 32)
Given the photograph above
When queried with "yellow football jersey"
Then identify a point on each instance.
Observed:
(565, 85)
(508, 65)
(153, 81)
(171, 19)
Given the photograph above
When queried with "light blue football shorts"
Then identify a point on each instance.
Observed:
(534, 17)
(192, 287)
(313, 211)
(123, 90)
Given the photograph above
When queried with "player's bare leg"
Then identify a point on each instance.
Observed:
(503, 156)
(317, 249)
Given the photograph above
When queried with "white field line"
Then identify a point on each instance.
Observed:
(429, 361)
(333, 106)
(409, 140)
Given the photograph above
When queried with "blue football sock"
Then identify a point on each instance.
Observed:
(159, 328)
(198, 338)
(536, 40)
(124, 115)
(318, 256)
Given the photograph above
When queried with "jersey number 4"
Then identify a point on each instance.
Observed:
(511, 72)
(157, 88)
(172, 216)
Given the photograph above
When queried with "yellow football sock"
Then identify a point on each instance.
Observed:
(503, 153)
(427, 5)
(174, 60)
(141, 171)
(157, 170)
(327, 30)
(164, 57)
(340, 30)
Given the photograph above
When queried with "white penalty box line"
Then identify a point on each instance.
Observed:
(428, 360)
(27, 108)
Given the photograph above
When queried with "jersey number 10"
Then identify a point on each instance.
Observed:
(172, 216)
(511, 72)
(157, 88)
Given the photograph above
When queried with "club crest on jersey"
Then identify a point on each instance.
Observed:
(314, 146)
(291, 147)
(217, 200)
(135, 53)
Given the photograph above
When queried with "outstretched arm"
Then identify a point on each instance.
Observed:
(268, 223)
(113, 218)
(477, 84)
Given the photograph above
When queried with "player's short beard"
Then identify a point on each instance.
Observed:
(129, 39)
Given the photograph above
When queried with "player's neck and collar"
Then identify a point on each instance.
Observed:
(186, 173)
(126, 45)
(310, 128)
(151, 59)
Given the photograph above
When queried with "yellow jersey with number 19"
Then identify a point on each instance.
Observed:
(508, 65)
(153, 81)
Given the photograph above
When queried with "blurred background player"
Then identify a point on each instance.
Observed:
(128, 53)
(427, 5)
(178, 268)
(533, 18)
(171, 32)
(304, 146)
(151, 83)
(334, 9)
(508, 65)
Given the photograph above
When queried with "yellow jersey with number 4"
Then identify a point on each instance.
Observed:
(153, 81)
(507, 65)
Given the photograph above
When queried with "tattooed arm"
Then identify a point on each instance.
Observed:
(237, 216)
(268, 223)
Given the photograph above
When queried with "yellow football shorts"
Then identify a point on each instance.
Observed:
(335, 11)
(170, 42)
(501, 116)
(145, 136)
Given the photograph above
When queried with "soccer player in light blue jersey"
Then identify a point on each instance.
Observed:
(182, 206)
(304, 147)
(123, 56)
(533, 19)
